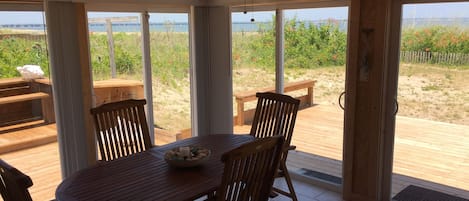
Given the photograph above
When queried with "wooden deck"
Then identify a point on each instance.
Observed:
(427, 153)
(430, 154)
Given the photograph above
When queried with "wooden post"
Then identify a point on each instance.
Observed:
(279, 51)
(146, 60)
(45, 110)
(372, 66)
(240, 109)
(110, 43)
(110, 40)
(310, 95)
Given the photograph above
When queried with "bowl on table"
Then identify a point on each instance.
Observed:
(187, 156)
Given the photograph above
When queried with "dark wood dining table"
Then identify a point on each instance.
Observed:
(147, 176)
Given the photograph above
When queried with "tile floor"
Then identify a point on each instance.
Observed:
(304, 192)
(307, 192)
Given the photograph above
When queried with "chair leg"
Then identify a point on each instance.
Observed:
(273, 193)
(289, 183)
(287, 177)
(211, 196)
(292, 193)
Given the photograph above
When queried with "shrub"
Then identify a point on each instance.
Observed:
(18, 52)
(307, 45)
(435, 39)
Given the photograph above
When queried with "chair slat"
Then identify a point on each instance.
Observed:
(126, 142)
(130, 127)
(115, 134)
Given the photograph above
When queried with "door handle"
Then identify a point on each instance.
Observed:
(340, 100)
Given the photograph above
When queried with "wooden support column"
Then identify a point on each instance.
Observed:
(211, 69)
(67, 33)
(369, 103)
(279, 51)
(146, 60)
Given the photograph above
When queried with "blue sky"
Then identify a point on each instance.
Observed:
(449, 10)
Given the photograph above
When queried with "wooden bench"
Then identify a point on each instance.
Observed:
(20, 95)
(23, 97)
(243, 97)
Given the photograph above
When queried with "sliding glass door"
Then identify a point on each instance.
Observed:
(315, 51)
(315, 42)
(171, 87)
(431, 145)
(253, 56)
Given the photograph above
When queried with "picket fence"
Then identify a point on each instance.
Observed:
(435, 58)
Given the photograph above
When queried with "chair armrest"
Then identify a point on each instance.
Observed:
(291, 147)
(288, 148)
(242, 133)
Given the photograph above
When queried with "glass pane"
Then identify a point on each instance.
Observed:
(169, 34)
(23, 58)
(115, 43)
(116, 56)
(431, 141)
(24, 68)
(253, 51)
(315, 47)
(315, 51)
(22, 42)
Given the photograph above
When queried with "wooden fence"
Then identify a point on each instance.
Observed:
(34, 37)
(435, 58)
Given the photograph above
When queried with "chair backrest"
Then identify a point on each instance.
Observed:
(275, 115)
(14, 184)
(121, 128)
(250, 170)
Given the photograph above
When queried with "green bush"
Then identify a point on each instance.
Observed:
(435, 39)
(170, 56)
(16, 52)
(306, 45)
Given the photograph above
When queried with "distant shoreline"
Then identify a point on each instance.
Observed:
(241, 26)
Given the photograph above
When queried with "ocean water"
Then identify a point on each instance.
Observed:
(245, 26)
(165, 27)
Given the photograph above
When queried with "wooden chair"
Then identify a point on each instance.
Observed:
(121, 129)
(14, 184)
(250, 170)
(275, 116)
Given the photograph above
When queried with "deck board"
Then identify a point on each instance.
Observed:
(42, 164)
(20, 136)
(427, 153)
